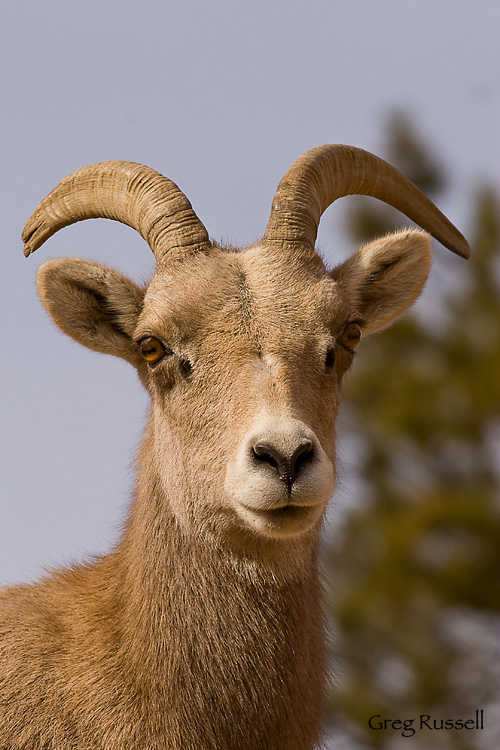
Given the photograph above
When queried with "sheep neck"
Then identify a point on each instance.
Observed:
(225, 639)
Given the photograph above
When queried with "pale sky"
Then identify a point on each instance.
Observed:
(220, 96)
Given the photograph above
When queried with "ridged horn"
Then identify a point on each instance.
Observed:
(125, 191)
(320, 176)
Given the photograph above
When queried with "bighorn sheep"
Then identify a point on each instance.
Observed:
(203, 628)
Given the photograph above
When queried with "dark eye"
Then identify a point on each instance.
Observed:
(351, 336)
(330, 359)
(152, 349)
(185, 368)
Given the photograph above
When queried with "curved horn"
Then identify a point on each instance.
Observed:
(326, 173)
(131, 193)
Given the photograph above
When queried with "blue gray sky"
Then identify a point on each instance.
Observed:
(221, 97)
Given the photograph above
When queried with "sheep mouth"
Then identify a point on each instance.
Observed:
(286, 511)
(284, 520)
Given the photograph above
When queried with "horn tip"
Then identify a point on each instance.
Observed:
(28, 239)
(461, 247)
(34, 234)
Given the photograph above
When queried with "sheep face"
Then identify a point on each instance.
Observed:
(243, 354)
(244, 385)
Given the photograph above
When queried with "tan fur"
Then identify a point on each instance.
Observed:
(203, 628)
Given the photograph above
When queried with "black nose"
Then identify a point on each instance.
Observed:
(287, 466)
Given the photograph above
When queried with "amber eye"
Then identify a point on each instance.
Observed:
(152, 349)
(351, 336)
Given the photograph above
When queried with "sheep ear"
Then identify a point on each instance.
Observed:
(96, 306)
(382, 279)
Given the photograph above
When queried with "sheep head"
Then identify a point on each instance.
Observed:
(243, 352)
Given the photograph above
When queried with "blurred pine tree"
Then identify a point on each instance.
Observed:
(415, 568)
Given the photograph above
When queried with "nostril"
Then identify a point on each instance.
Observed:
(266, 454)
(288, 467)
(302, 455)
(270, 455)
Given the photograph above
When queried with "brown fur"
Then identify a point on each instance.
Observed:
(203, 628)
